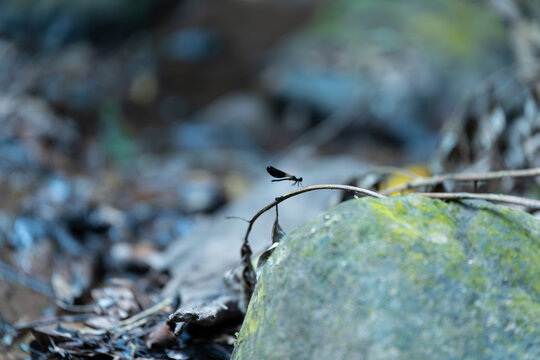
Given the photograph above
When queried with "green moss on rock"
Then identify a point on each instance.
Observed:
(400, 278)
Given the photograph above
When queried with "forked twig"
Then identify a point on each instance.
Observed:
(248, 273)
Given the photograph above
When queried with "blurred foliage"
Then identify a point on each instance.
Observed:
(118, 143)
(455, 29)
(531, 8)
(51, 23)
(403, 64)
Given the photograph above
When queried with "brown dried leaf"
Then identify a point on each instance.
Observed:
(213, 313)
(47, 334)
(277, 231)
(264, 257)
(161, 336)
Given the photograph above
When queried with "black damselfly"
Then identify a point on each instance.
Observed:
(282, 176)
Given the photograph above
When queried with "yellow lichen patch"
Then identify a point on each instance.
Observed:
(400, 178)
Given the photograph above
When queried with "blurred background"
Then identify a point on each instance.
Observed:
(123, 123)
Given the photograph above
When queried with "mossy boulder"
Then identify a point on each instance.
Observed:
(400, 278)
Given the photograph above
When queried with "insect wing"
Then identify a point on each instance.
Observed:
(276, 172)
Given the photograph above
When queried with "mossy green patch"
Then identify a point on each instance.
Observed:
(456, 30)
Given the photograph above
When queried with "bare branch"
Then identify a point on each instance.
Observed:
(508, 199)
(423, 181)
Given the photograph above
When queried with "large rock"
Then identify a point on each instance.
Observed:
(400, 278)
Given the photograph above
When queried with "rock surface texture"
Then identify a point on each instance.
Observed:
(400, 278)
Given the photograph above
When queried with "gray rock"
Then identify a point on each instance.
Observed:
(400, 278)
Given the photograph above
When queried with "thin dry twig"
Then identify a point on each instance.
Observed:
(248, 274)
(508, 199)
(134, 321)
(129, 327)
(434, 180)
(80, 309)
(145, 313)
